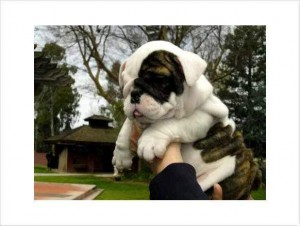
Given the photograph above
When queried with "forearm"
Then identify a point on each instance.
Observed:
(174, 179)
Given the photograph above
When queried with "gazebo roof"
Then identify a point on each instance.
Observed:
(47, 73)
(98, 118)
(85, 134)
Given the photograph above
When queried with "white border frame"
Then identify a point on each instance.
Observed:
(18, 19)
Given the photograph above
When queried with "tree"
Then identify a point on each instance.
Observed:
(235, 57)
(47, 72)
(102, 48)
(55, 103)
(244, 85)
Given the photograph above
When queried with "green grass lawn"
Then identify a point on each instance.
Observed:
(118, 190)
(260, 194)
(41, 169)
(113, 190)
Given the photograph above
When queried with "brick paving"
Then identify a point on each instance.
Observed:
(63, 191)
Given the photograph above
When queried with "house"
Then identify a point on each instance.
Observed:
(88, 148)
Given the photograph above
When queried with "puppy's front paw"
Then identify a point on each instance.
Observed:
(122, 159)
(150, 147)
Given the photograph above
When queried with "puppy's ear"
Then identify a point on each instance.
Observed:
(121, 79)
(125, 81)
(193, 66)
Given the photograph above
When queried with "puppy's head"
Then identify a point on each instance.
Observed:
(155, 81)
(153, 92)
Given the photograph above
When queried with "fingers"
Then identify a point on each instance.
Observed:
(217, 193)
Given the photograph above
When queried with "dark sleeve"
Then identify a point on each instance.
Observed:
(176, 182)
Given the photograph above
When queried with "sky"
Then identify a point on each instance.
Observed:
(90, 102)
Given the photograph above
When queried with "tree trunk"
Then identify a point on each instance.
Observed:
(52, 118)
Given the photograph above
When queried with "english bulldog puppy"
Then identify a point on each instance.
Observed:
(167, 94)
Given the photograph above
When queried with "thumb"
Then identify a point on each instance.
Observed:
(218, 192)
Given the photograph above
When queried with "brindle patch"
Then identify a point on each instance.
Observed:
(214, 137)
(161, 74)
(246, 177)
(161, 62)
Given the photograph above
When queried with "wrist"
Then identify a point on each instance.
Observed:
(172, 155)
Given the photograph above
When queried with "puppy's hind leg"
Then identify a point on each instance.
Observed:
(216, 172)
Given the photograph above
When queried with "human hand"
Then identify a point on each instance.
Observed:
(217, 144)
(218, 193)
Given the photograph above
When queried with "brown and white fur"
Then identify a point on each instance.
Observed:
(173, 101)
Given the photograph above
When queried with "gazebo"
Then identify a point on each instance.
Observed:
(88, 148)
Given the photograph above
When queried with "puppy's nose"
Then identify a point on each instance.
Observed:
(135, 96)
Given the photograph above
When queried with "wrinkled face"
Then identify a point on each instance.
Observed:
(153, 94)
